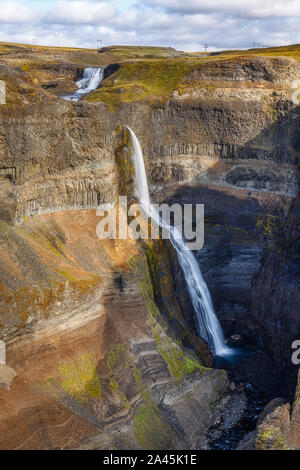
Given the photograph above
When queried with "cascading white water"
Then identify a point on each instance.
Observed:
(92, 77)
(208, 325)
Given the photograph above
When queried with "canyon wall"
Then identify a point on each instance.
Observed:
(101, 334)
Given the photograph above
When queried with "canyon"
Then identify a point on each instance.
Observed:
(101, 339)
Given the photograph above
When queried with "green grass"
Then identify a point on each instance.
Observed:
(146, 72)
(139, 52)
(141, 78)
(146, 79)
(77, 378)
(179, 364)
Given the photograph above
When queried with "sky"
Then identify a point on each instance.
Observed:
(184, 24)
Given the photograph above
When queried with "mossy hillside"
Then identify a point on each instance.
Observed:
(180, 364)
(151, 73)
(143, 80)
(119, 361)
(77, 378)
(157, 79)
(18, 93)
(44, 64)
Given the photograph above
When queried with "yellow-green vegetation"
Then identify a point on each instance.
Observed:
(188, 86)
(145, 73)
(151, 429)
(113, 354)
(6, 48)
(268, 224)
(180, 365)
(77, 378)
(143, 80)
(49, 241)
(269, 107)
(270, 439)
(137, 377)
(125, 401)
(53, 243)
(113, 385)
(82, 288)
(149, 78)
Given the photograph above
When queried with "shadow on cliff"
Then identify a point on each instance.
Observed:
(251, 255)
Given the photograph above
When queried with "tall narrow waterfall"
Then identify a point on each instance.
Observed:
(208, 325)
(92, 77)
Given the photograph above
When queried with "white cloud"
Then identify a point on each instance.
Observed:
(16, 12)
(244, 8)
(184, 24)
(80, 12)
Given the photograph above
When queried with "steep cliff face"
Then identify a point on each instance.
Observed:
(101, 334)
(239, 156)
(97, 363)
(94, 344)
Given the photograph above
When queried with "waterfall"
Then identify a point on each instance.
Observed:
(208, 325)
(92, 77)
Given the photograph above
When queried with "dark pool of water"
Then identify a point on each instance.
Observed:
(254, 397)
(237, 354)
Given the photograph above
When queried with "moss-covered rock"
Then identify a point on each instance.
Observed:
(151, 429)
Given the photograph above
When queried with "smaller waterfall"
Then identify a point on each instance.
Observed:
(92, 77)
(208, 325)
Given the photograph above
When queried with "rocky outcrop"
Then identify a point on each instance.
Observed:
(279, 427)
(255, 69)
